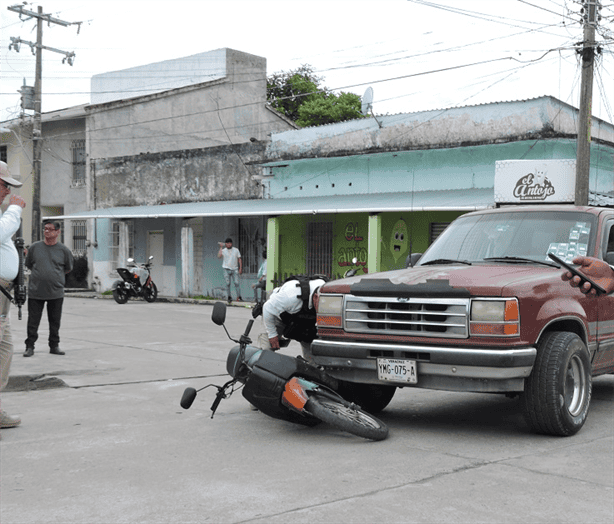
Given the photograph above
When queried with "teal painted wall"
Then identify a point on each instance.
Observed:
(435, 169)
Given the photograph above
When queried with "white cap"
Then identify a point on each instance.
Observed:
(6, 176)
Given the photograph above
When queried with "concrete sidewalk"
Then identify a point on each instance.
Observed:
(105, 441)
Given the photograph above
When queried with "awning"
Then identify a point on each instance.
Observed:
(446, 200)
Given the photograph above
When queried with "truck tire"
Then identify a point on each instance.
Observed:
(373, 398)
(557, 394)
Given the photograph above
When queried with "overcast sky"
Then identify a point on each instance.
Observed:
(415, 54)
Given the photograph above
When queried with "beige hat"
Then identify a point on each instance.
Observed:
(6, 176)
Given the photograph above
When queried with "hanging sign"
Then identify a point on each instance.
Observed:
(535, 181)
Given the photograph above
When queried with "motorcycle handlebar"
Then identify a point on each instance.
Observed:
(249, 327)
(216, 402)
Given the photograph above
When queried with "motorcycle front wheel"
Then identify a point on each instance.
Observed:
(120, 295)
(345, 416)
(150, 292)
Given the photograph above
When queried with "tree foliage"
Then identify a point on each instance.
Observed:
(299, 95)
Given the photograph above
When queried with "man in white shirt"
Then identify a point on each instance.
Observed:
(284, 301)
(232, 266)
(9, 265)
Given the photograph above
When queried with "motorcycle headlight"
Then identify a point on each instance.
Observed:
(330, 310)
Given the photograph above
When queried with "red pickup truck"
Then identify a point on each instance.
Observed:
(484, 309)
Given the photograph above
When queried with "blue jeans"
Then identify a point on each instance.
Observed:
(232, 274)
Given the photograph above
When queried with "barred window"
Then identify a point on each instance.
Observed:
(320, 248)
(79, 238)
(250, 241)
(436, 229)
(121, 242)
(77, 148)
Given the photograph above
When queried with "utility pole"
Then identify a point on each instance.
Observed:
(37, 139)
(583, 155)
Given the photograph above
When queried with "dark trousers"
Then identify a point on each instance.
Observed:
(54, 315)
(260, 285)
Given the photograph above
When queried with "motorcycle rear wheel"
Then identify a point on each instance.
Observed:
(345, 416)
(150, 292)
(120, 295)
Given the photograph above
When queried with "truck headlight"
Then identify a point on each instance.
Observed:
(497, 317)
(330, 310)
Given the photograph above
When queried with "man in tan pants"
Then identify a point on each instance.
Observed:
(9, 264)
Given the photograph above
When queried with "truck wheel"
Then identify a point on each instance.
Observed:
(373, 398)
(557, 394)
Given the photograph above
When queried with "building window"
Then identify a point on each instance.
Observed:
(79, 238)
(4, 154)
(77, 148)
(121, 242)
(320, 248)
(436, 229)
(251, 242)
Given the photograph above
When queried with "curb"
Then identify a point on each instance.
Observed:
(81, 293)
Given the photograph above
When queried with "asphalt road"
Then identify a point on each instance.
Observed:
(112, 445)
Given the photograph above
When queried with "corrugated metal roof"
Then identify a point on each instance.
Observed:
(445, 200)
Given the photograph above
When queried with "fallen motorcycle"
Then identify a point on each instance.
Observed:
(286, 388)
(136, 282)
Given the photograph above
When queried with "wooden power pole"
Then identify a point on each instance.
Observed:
(583, 155)
(37, 139)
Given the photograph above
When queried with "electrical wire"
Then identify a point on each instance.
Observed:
(374, 81)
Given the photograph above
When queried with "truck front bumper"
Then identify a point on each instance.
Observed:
(491, 370)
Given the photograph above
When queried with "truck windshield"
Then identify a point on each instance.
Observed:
(515, 237)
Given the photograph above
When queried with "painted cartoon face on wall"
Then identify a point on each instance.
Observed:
(399, 239)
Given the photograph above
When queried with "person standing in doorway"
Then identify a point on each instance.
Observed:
(261, 283)
(9, 265)
(49, 261)
(232, 266)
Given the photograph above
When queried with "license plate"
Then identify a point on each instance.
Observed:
(397, 370)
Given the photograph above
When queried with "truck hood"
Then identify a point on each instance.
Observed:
(474, 280)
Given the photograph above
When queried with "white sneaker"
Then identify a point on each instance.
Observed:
(6, 421)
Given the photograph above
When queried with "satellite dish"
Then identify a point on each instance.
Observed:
(366, 107)
(367, 102)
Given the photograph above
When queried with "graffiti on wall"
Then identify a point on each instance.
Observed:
(351, 248)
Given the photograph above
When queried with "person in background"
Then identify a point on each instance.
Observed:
(261, 283)
(10, 221)
(597, 270)
(49, 261)
(232, 266)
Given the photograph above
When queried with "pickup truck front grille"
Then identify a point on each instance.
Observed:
(424, 317)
